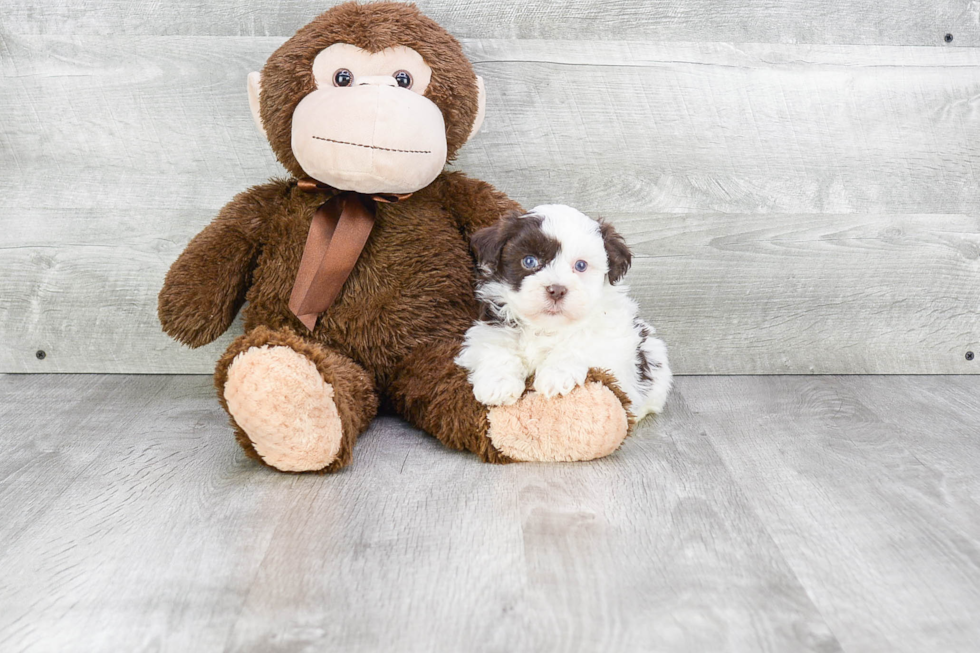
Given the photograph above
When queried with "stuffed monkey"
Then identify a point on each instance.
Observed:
(356, 271)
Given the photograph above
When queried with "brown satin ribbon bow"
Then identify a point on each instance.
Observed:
(338, 233)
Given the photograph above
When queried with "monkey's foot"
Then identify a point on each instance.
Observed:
(588, 423)
(278, 398)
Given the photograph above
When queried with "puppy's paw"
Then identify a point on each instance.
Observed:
(497, 390)
(559, 380)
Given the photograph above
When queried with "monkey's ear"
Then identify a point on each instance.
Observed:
(254, 90)
(481, 107)
(617, 251)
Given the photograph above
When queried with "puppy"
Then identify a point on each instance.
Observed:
(551, 308)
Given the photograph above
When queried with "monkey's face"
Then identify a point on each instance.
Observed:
(368, 126)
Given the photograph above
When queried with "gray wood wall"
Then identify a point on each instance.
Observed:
(800, 179)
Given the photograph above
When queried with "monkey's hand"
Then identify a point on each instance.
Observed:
(206, 285)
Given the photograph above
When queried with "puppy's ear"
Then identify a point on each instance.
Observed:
(617, 251)
(488, 243)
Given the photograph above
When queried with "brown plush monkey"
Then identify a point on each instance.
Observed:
(370, 99)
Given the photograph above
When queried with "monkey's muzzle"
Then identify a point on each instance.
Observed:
(369, 139)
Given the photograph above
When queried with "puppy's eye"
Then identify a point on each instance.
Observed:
(581, 266)
(342, 77)
(529, 262)
(403, 78)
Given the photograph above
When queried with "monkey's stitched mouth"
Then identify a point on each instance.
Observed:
(372, 147)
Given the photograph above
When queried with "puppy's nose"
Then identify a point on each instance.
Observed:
(556, 292)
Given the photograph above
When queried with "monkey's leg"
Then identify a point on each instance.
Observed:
(296, 406)
(433, 393)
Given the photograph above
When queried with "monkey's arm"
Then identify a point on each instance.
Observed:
(206, 285)
(475, 204)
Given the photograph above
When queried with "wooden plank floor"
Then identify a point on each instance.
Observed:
(757, 514)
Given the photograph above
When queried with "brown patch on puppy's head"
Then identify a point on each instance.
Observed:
(288, 74)
(617, 252)
(501, 249)
(488, 243)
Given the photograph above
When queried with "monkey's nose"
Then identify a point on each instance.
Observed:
(556, 292)
(376, 80)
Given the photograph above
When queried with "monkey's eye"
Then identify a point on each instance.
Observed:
(404, 78)
(581, 266)
(529, 262)
(342, 77)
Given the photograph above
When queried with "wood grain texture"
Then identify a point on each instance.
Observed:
(869, 487)
(693, 128)
(89, 301)
(122, 122)
(119, 149)
(812, 294)
(169, 539)
(757, 514)
(147, 548)
(749, 294)
(913, 22)
(42, 457)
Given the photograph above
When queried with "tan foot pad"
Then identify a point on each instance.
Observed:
(279, 399)
(587, 423)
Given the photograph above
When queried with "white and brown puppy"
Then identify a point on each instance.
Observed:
(552, 308)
